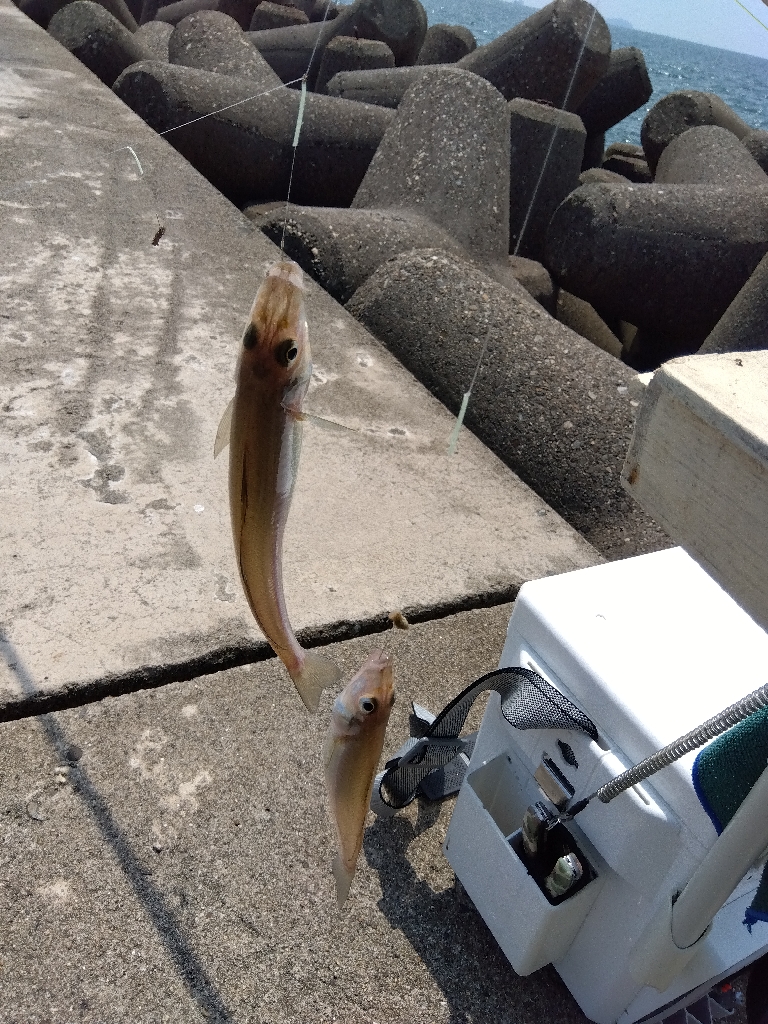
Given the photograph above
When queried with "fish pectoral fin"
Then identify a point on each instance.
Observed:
(296, 414)
(225, 429)
(327, 424)
(293, 396)
(343, 880)
(316, 673)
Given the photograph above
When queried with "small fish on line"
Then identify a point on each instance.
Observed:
(262, 425)
(158, 235)
(351, 753)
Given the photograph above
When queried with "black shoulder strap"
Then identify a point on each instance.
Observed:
(527, 702)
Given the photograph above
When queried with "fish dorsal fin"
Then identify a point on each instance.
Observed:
(225, 428)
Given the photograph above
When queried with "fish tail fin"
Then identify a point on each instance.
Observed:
(315, 674)
(343, 880)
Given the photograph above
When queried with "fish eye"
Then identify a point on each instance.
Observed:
(286, 352)
(367, 704)
(249, 338)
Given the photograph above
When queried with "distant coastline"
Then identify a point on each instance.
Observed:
(489, 18)
(673, 64)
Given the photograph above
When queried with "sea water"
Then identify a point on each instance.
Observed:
(673, 64)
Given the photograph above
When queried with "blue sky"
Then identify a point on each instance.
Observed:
(714, 22)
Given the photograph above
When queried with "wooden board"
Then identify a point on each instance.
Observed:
(698, 463)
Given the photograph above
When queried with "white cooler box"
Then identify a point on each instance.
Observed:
(648, 648)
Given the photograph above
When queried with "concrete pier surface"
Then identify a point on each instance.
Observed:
(118, 361)
(165, 857)
(180, 869)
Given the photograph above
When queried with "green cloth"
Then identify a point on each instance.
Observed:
(723, 774)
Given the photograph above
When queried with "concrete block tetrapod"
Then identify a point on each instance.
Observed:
(633, 168)
(268, 15)
(744, 325)
(602, 175)
(668, 258)
(401, 24)
(342, 248)
(622, 90)
(552, 405)
(154, 37)
(445, 44)
(709, 155)
(320, 10)
(212, 41)
(582, 318)
(536, 280)
(546, 153)
(289, 51)
(345, 53)
(557, 55)
(240, 10)
(246, 151)
(594, 150)
(41, 11)
(446, 156)
(383, 86)
(756, 142)
(629, 161)
(677, 112)
(97, 38)
(439, 179)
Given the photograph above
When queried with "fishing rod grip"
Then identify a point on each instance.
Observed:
(738, 846)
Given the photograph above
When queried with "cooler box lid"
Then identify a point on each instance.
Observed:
(649, 647)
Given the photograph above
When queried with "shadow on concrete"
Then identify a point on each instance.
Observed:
(193, 974)
(452, 940)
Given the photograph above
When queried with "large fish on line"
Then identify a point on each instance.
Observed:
(262, 426)
(351, 752)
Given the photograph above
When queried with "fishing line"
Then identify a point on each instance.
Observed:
(160, 226)
(275, 88)
(283, 85)
(555, 130)
(465, 400)
(9, 190)
(745, 8)
(219, 110)
(467, 394)
(297, 131)
(317, 41)
(299, 122)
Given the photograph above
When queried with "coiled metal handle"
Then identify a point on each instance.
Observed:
(695, 738)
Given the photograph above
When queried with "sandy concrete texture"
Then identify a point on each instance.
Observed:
(180, 869)
(118, 360)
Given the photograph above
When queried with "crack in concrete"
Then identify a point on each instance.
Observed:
(219, 659)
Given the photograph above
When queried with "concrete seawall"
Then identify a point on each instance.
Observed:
(119, 356)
